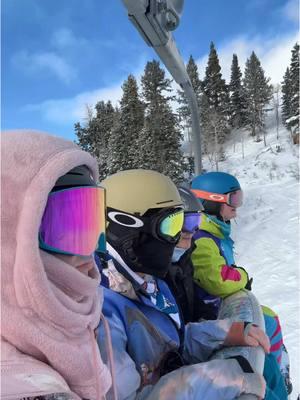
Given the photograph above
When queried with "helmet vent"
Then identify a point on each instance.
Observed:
(165, 201)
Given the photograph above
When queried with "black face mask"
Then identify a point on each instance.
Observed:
(154, 256)
(142, 252)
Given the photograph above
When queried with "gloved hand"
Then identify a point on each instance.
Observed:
(247, 334)
(248, 285)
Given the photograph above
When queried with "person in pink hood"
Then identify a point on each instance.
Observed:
(51, 301)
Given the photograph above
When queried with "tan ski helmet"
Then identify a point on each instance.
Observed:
(137, 190)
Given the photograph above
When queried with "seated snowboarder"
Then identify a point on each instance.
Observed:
(213, 258)
(180, 274)
(155, 354)
(50, 295)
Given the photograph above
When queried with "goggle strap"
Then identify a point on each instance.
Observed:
(217, 197)
(122, 267)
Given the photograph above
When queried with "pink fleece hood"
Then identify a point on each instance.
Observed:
(49, 309)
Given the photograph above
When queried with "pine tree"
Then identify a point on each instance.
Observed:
(159, 141)
(94, 136)
(123, 151)
(258, 93)
(293, 122)
(236, 96)
(184, 109)
(214, 86)
(286, 109)
(216, 92)
(83, 137)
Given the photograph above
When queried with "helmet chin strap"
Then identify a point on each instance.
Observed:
(116, 256)
(221, 218)
(227, 221)
(136, 280)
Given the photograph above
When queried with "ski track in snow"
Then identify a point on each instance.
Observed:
(266, 231)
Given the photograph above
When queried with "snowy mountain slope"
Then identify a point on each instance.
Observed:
(266, 231)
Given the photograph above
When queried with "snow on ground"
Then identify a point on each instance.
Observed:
(266, 231)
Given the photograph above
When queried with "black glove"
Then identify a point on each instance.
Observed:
(249, 284)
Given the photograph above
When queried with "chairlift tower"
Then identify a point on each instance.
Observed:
(155, 20)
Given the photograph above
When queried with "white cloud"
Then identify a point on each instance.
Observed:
(71, 110)
(52, 61)
(33, 63)
(64, 38)
(291, 11)
(274, 54)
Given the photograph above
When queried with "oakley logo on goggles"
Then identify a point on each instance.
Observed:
(74, 221)
(233, 199)
(191, 222)
(164, 225)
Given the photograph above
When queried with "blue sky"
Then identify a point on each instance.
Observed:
(59, 56)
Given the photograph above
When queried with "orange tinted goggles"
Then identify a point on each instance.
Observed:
(233, 199)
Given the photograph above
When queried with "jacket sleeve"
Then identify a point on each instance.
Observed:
(202, 338)
(211, 271)
(204, 380)
(128, 379)
(217, 379)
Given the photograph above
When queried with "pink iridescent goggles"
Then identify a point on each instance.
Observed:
(233, 199)
(74, 221)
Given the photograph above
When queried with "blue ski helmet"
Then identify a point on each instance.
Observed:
(214, 182)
